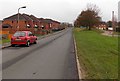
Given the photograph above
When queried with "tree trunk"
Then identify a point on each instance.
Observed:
(89, 28)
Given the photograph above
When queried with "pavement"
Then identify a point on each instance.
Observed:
(5, 45)
(52, 58)
(109, 33)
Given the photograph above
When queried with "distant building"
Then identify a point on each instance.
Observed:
(102, 26)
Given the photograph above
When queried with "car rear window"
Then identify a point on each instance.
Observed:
(19, 34)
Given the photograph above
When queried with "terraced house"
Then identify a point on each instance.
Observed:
(46, 25)
(56, 26)
(49, 24)
(36, 24)
(29, 22)
(11, 23)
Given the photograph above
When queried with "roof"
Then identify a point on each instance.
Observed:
(15, 17)
(56, 22)
(103, 23)
(6, 25)
(34, 18)
(27, 17)
(48, 20)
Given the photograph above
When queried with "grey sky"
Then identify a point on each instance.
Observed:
(61, 10)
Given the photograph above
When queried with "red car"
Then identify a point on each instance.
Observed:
(23, 38)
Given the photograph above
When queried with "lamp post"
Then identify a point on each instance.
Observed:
(18, 14)
(113, 21)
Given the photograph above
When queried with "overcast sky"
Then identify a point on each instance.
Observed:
(61, 10)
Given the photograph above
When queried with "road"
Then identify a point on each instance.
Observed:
(52, 57)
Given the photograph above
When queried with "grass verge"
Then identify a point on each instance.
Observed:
(98, 54)
(4, 41)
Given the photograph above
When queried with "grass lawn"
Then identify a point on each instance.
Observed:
(98, 54)
(4, 41)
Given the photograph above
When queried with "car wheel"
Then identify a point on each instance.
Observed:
(28, 44)
(35, 42)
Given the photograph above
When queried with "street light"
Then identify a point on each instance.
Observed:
(18, 14)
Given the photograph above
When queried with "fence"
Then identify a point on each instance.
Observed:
(5, 35)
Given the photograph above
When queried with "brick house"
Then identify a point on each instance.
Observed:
(55, 25)
(11, 23)
(45, 25)
(26, 22)
(102, 26)
(36, 24)
(49, 24)
(29, 22)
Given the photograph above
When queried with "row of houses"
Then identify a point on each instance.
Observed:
(31, 23)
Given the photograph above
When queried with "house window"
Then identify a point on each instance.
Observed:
(42, 27)
(12, 21)
(6, 26)
(36, 26)
(28, 26)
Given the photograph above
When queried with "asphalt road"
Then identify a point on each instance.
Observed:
(52, 57)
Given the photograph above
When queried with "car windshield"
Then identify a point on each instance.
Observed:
(19, 34)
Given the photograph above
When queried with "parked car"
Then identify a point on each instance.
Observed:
(23, 38)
